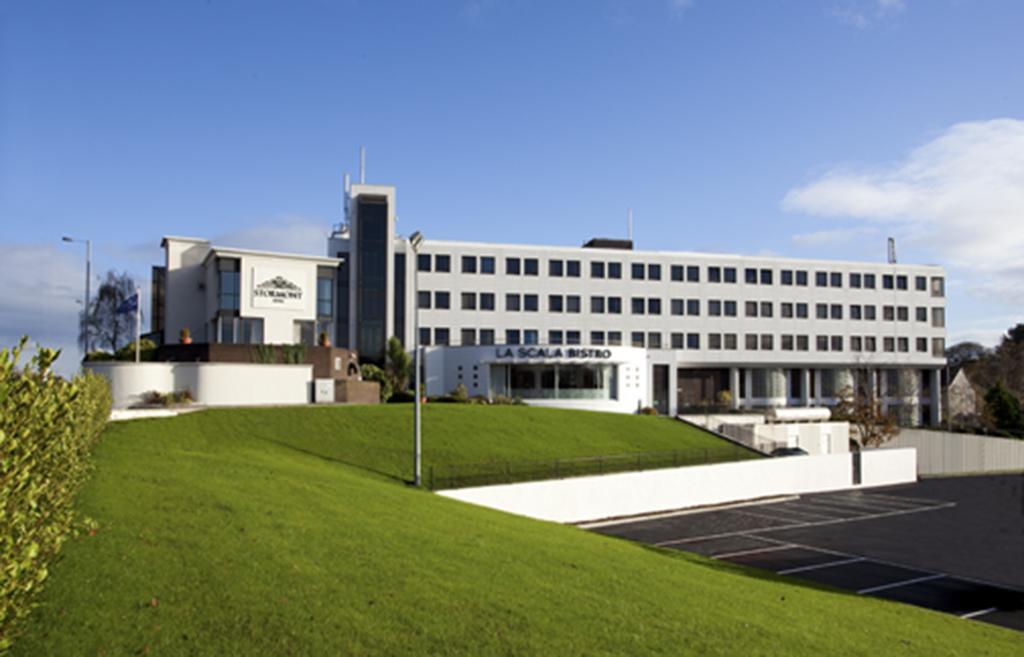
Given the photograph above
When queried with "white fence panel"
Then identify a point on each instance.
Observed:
(943, 452)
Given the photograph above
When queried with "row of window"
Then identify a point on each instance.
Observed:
(571, 303)
(714, 341)
(558, 268)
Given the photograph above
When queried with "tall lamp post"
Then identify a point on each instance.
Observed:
(88, 277)
(415, 242)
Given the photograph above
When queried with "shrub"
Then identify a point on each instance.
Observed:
(402, 397)
(371, 372)
(504, 400)
(95, 356)
(648, 410)
(48, 427)
(1005, 410)
(147, 351)
(265, 354)
(460, 394)
(156, 398)
(293, 354)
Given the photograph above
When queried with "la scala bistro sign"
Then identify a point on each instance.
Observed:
(571, 353)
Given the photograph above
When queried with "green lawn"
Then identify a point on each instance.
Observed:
(379, 438)
(219, 536)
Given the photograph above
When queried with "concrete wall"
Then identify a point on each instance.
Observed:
(278, 320)
(880, 468)
(607, 496)
(943, 452)
(185, 296)
(812, 437)
(211, 384)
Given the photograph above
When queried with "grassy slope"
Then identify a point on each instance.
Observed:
(250, 547)
(379, 438)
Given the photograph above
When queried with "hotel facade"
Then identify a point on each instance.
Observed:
(602, 326)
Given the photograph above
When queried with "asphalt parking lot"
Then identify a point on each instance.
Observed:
(954, 545)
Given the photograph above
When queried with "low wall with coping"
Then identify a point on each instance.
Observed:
(598, 497)
(210, 384)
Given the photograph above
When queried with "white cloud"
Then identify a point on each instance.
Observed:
(832, 236)
(862, 13)
(960, 196)
(989, 331)
(42, 288)
(287, 234)
(680, 7)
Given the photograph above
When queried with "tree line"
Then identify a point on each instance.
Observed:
(998, 375)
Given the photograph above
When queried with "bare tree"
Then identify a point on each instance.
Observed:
(863, 410)
(107, 327)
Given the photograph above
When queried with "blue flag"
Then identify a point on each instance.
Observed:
(129, 305)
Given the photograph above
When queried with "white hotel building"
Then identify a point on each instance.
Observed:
(601, 326)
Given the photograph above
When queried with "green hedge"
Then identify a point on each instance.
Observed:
(48, 426)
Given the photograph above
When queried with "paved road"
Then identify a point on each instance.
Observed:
(955, 544)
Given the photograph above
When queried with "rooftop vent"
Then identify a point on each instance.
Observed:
(608, 243)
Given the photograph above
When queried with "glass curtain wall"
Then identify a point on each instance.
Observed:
(557, 381)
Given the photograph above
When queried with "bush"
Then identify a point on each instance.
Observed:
(166, 399)
(96, 356)
(503, 400)
(460, 394)
(648, 410)
(48, 427)
(1004, 409)
(147, 351)
(371, 372)
(402, 397)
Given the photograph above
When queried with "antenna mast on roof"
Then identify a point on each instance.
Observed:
(629, 224)
(362, 165)
(344, 197)
(892, 251)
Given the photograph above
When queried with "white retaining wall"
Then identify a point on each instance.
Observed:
(211, 384)
(633, 493)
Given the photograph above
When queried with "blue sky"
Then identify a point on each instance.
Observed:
(799, 128)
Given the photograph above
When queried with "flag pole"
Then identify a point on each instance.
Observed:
(138, 322)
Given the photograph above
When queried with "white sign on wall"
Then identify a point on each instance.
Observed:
(279, 287)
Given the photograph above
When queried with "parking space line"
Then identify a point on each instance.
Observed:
(801, 525)
(980, 612)
(799, 512)
(860, 504)
(832, 511)
(840, 507)
(802, 546)
(830, 564)
(902, 498)
(773, 548)
(894, 585)
(645, 517)
(768, 516)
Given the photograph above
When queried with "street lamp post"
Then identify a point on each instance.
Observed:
(415, 242)
(88, 278)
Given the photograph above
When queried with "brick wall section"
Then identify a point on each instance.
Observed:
(350, 391)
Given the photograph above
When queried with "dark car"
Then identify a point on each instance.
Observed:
(788, 451)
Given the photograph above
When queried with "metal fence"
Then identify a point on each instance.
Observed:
(942, 452)
(463, 475)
